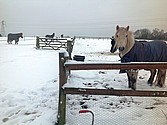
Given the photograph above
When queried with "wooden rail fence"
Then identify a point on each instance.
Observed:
(55, 43)
(65, 66)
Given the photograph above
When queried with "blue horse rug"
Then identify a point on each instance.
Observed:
(154, 51)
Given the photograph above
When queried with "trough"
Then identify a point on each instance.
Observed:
(78, 58)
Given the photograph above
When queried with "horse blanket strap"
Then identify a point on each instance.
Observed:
(154, 51)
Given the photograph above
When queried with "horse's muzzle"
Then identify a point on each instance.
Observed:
(121, 48)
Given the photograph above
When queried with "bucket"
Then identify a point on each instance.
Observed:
(78, 58)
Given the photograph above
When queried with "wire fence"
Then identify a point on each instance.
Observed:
(114, 110)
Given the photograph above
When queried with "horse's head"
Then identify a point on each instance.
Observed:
(124, 40)
(121, 37)
(113, 49)
(21, 35)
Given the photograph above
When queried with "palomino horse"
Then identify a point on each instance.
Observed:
(134, 51)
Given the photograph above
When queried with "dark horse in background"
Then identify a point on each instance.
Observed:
(131, 50)
(50, 36)
(15, 37)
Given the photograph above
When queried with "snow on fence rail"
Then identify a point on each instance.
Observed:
(65, 66)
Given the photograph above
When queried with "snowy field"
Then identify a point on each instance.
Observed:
(29, 88)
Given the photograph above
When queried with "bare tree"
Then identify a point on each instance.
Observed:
(147, 34)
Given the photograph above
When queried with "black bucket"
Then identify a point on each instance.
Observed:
(78, 58)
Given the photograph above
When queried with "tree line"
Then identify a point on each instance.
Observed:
(155, 34)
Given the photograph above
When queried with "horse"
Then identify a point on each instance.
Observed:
(15, 37)
(136, 51)
(50, 36)
(132, 74)
(112, 50)
(62, 35)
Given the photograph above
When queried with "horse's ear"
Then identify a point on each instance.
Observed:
(117, 27)
(127, 28)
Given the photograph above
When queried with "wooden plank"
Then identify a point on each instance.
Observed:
(116, 92)
(51, 45)
(54, 44)
(37, 43)
(61, 118)
(54, 39)
(109, 66)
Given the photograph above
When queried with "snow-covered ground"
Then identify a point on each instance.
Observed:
(28, 84)
(29, 88)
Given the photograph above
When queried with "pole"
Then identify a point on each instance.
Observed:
(3, 28)
(37, 42)
(88, 111)
(61, 117)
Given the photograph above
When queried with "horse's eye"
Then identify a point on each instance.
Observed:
(126, 35)
(117, 35)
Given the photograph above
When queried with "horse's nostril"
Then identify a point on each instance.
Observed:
(121, 48)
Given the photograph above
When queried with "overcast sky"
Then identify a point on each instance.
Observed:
(81, 17)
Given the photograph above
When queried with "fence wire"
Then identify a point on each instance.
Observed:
(113, 110)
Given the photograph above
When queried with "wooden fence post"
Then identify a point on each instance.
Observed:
(37, 42)
(61, 117)
(70, 47)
